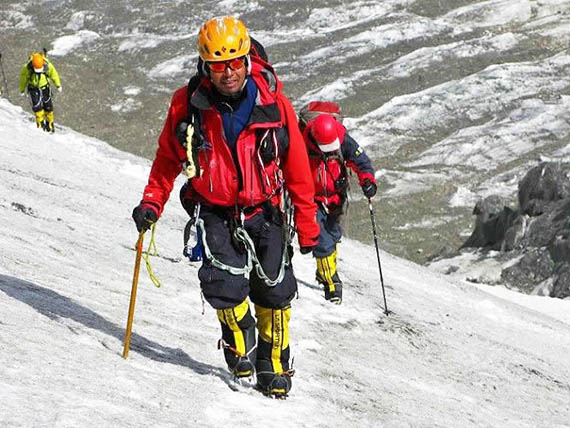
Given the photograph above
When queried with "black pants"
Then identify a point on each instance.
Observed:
(224, 290)
(41, 98)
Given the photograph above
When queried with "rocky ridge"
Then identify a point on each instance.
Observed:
(531, 242)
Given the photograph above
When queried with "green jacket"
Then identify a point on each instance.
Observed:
(28, 77)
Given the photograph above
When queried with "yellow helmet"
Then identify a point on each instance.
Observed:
(223, 38)
(38, 62)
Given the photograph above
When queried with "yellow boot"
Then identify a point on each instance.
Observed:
(238, 338)
(272, 364)
(40, 118)
(50, 120)
(328, 276)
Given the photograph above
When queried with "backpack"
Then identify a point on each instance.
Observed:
(315, 108)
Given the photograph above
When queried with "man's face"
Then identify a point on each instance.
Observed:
(230, 80)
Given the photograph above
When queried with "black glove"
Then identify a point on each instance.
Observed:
(145, 215)
(369, 188)
(307, 250)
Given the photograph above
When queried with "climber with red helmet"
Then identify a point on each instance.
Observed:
(237, 138)
(331, 150)
(34, 77)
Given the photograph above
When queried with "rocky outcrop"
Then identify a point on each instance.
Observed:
(535, 235)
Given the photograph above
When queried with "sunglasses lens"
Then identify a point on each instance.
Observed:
(220, 67)
(217, 67)
(236, 64)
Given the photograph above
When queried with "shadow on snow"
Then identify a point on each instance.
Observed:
(55, 306)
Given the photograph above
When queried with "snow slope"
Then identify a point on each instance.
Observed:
(453, 100)
(450, 354)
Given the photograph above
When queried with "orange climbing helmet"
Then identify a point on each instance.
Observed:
(38, 61)
(223, 38)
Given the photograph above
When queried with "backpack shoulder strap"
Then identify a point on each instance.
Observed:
(193, 84)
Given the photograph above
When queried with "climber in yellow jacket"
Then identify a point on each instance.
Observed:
(34, 79)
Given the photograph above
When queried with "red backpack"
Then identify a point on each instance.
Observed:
(315, 108)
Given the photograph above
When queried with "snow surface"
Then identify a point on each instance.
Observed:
(67, 44)
(15, 19)
(450, 355)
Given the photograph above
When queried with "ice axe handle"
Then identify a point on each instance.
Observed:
(133, 295)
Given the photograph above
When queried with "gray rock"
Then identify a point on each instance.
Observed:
(491, 224)
(561, 284)
(559, 249)
(534, 240)
(534, 267)
(515, 233)
(543, 230)
(544, 183)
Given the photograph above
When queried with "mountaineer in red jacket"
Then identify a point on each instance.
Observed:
(237, 136)
(331, 150)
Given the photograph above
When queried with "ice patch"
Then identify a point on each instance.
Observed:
(337, 90)
(405, 183)
(77, 21)
(132, 90)
(333, 19)
(66, 44)
(173, 67)
(407, 28)
(485, 147)
(137, 43)
(127, 106)
(15, 20)
(463, 197)
(425, 224)
(237, 7)
(491, 13)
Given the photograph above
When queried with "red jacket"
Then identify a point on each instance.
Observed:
(247, 181)
(329, 171)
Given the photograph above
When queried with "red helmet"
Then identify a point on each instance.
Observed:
(324, 131)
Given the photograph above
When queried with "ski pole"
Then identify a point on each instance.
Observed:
(4, 77)
(133, 295)
(386, 311)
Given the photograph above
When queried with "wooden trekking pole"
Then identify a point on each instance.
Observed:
(133, 295)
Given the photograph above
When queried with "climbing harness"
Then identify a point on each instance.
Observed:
(252, 261)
